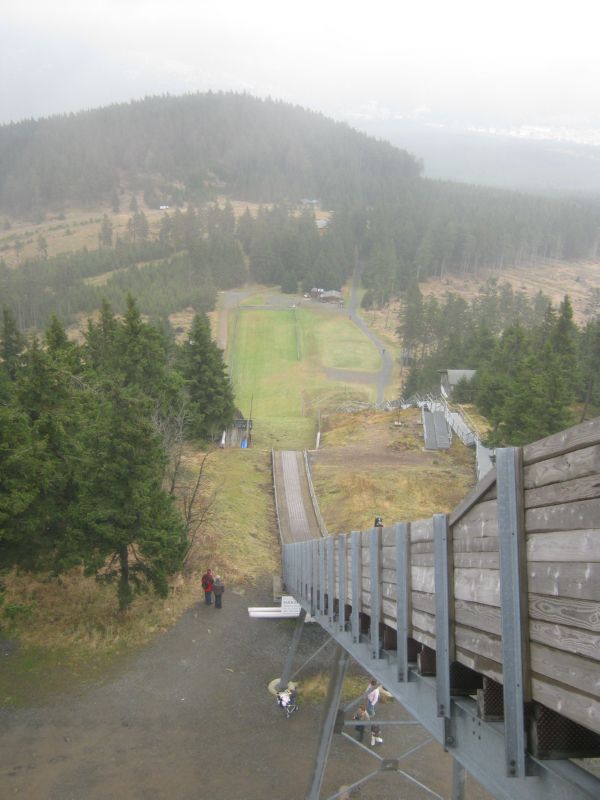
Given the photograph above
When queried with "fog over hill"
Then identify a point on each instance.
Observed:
(526, 159)
(187, 148)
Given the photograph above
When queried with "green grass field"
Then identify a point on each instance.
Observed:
(278, 362)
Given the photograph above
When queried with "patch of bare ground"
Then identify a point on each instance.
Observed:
(580, 280)
(374, 463)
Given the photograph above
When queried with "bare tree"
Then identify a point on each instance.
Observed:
(196, 504)
(197, 507)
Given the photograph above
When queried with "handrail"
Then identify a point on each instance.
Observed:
(275, 494)
(313, 497)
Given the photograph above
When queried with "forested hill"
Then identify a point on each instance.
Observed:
(185, 149)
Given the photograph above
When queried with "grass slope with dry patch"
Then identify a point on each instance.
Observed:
(371, 466)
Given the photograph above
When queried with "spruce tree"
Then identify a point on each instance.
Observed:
(23, 473)
(12, 343)
(206, 381)
(126, 517)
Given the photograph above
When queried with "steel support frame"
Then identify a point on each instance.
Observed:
(375, 590)
(444, 625)
(479, 746)
(330, 554)
(334, 692)
(292, 650)
(342, 571)
(403, 586)
(356, 586)
(513, 607)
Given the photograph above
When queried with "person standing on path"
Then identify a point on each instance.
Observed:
(361, 716)
(218, 589)
(376, 735)
(372, 697)
(207, 582)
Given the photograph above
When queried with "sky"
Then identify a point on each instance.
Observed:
(487, 64)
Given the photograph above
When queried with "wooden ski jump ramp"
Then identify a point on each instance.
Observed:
(485, 623)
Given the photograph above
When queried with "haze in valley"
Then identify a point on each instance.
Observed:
(488, 93)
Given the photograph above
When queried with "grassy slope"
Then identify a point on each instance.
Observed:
(369, 467)
(69, 630)
(277, 363)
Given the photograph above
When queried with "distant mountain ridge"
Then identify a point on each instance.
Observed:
(189, 147)
(518, 163)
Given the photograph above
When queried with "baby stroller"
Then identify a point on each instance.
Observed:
(287, 700)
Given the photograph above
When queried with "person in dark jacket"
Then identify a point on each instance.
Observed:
(218, 589)
(207, 581)
(361, 716)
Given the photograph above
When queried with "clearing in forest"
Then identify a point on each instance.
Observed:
(288, 365)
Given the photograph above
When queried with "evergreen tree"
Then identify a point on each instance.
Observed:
(563, 342)
(204, 372)
(126, 516)
(23, 474)
(589, 359)
(105, 237)
(12, 343)
(50, 404)
(42, 246)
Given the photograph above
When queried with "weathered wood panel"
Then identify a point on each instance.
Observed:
(479, 663)
(477, 586)
(467, 560)
(477, 544)
(577, 464)
(480, 642)
(421, 547)
(564, 546)
(423, 622)
(479, 521)
(423, 601)
(575, 438)
(571, 640)
(421, 530)
(580, 581)
(583, 614)
(564, 492)
(424, 638)
(479, 493)
(579, 707)
(478, 617)
(566, 668)
(564, 517)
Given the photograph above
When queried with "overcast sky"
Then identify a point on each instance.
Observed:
(474, 62)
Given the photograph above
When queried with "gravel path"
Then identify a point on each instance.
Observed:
(190, 718)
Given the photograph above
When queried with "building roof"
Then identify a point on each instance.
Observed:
(457, 375)
(332, 293)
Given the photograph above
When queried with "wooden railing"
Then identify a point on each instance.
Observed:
(508, 585)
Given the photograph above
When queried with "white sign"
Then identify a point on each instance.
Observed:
(289, 605)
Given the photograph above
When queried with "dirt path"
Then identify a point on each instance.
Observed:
(190, 718)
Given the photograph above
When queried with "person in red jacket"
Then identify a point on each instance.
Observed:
(207, 582)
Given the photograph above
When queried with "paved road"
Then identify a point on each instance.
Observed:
(384, 376)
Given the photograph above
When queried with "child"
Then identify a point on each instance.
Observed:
(375, 735)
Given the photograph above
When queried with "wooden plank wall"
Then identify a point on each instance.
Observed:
(562, 524)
